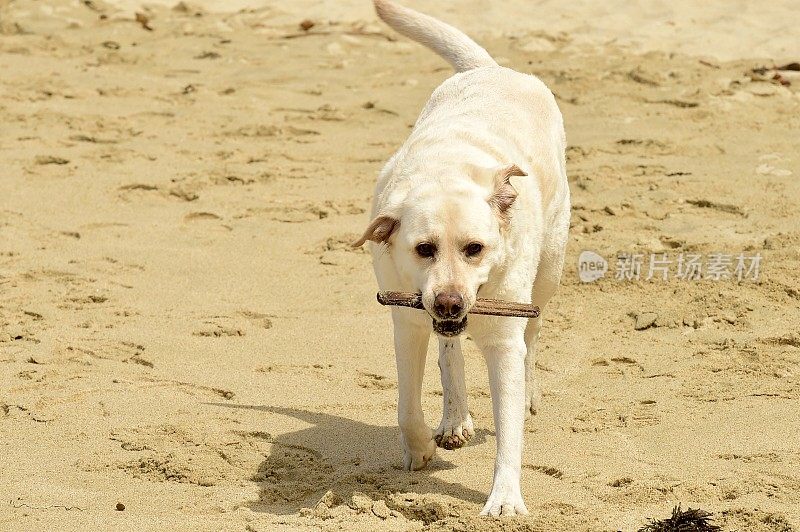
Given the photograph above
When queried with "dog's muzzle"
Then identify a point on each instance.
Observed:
(449, 328)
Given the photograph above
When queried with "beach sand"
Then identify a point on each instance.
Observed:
(185, 331)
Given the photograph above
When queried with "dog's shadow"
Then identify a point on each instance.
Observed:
(343, 456)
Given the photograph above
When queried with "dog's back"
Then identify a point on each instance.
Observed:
(482, 113)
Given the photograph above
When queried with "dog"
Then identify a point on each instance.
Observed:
(475, 204)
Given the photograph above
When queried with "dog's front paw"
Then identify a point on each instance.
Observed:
(454, 433)
(416, 457)
(504, 500)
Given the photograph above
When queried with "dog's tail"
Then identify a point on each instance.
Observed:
(455, 47)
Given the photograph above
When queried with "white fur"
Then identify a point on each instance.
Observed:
(438, 188)
(456, 427)
(455, 47)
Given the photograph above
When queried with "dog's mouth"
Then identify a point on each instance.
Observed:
(449, 328)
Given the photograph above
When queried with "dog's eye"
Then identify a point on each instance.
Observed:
(425, 249)
(473, 249)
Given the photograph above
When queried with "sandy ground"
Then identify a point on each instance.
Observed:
(184, 330)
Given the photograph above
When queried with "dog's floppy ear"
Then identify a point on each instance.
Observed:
(379, 230)
(504, 193)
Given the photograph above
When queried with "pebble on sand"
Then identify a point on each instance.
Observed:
(380, 509)
(50, 159)
(691, 321)
(645, 320)
(361, 502)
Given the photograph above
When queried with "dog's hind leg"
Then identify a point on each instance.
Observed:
(533, 395)
(548, 277)
(456, 427)
(411, 347)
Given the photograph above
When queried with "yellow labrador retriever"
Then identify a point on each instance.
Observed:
(475, 203)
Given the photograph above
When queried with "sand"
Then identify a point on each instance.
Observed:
(184, 330)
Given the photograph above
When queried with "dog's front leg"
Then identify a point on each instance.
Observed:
(410, 347)
(456, 426)
(505, 359)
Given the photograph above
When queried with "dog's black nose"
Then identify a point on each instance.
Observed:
(448, 305)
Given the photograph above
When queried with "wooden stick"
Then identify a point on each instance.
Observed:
(494, 307)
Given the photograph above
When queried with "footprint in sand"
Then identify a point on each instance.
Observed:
(173, 453)
(206, 221)
(337, 249)
(639, 414)
(232, 326)
(371, 381)
(547, 470)
(140, 191)
(86, 351)
(295, 212)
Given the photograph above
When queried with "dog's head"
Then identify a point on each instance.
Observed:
(444, 240)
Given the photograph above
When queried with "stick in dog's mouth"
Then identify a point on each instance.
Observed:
(494, 307)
